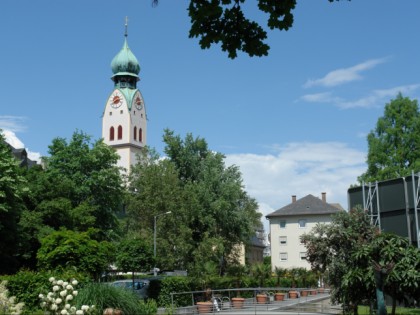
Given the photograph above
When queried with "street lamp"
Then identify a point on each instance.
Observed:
(154, 239)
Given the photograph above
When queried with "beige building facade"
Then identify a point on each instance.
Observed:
(287, 224)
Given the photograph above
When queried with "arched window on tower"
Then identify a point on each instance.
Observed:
(135, 133)
(140, 135)
(111, 134)
(119, 132)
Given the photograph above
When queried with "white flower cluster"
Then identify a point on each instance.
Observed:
(58, 302)
(7, 304)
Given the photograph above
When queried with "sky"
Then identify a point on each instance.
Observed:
(295, 122)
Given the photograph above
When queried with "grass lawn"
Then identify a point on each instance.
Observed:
(364, 310)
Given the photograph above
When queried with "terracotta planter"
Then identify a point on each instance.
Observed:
(237, 302)
(262, 298)
(313, 292)
(321, 290)
(279, 296)
(304, 292)
(204, 307)
(293, 294)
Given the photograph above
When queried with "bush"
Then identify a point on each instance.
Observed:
(7, 303)
(175, 284)
(105, 296)
(60, 300)
(148, 307)
(27, 285)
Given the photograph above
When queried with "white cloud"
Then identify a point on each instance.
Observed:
(344, 75)
(379, 97)
(376, 98)
(14, 141)
(325, 97)
(12, 123)
(299, 169)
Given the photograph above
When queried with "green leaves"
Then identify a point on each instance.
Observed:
(134, 255)
(65, 248)
(394, 145)
(210, 211)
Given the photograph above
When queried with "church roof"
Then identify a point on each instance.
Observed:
(125, 63)
(308, 205)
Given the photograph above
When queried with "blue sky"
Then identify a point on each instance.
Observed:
(295, 122)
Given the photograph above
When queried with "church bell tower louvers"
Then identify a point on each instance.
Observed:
(124, 123)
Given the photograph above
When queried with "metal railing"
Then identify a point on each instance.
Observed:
(221, 300)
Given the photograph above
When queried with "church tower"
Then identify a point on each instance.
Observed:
(124, 124)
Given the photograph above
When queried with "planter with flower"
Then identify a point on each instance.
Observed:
(279, 296)
(262, 298)
(293, 294)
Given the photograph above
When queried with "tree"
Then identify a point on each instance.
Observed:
(403, 280)
(13, 188)
(394, 145)
(210, 211)
(134, 255)
(79, 250)
(346, 250)
(80, 187)
(221, 214)
(225, 22)
(331, 249)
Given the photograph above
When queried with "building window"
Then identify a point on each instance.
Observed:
(140, 135)
(121, 111)
(283, 256)
(119, 132)
(111, 134)
(302, 223)
(110, 113)
(283, 240)
(302, 255)
(135, 133)
(283, 224)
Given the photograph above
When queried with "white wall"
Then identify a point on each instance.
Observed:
(292, 232)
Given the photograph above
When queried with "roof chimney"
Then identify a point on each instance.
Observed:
(293, 198)
(324, 197)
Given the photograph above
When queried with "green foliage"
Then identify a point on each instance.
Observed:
(148, 307)
(175, 284)
(80, 188)
(105, 296)
(226, 22)
(403, 281)
(345, 250)
(27, 285)
(280, 273)
(65, 248)
(394, 145)
(13, 188)
(261, 272)
(365, 310)
(134, 255)
(8, 303)
(210, 211)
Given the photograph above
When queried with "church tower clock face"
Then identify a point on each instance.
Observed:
(138, 101)
(116, 99)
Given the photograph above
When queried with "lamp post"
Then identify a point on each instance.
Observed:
(154, 239)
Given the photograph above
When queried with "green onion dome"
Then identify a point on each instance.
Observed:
(125, 63)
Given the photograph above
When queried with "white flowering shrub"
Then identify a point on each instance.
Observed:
(59, 301)
(7, 304)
